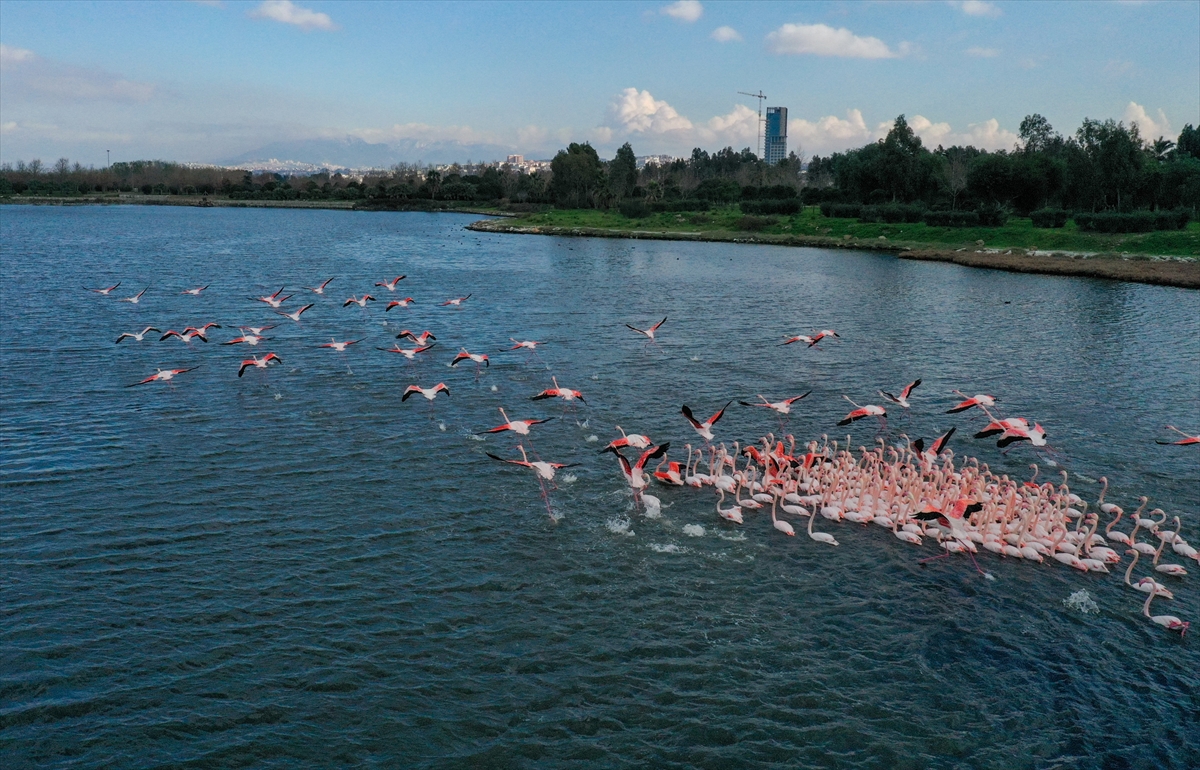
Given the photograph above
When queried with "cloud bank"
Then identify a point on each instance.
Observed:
(287, 12)
(823, 40)
(687, 11)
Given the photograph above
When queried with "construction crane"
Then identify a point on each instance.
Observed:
(759, 127)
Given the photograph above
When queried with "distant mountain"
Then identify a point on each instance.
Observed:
(352, 152)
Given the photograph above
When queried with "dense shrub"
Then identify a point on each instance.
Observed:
(951, 218)
(680, 204)
(634, 209)
(1116, 222)
(1049, 217)
(991, 215)
(755, 223)
(1172, 220)
(841, 210)
(772, 206)
(721, 190)
(769, 192)
(891, 214)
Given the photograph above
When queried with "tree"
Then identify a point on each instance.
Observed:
(954, 174)
(1036, 133)
(576, 176)
(622, 172)
(1188, 143)
(1115, 152)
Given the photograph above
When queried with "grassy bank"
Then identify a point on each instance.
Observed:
(810, 225)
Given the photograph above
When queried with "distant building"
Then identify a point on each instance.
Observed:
(515, 159)
(775, 148)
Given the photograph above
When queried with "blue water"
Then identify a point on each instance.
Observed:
(295, 568)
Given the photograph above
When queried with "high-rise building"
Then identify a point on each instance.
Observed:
(775, 148)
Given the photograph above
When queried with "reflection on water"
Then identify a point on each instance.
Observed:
(295, 567)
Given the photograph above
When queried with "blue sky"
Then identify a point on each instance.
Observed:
(204, 81)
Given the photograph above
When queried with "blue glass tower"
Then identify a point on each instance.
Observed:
(775, 146)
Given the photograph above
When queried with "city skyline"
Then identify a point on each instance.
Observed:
(214, 82)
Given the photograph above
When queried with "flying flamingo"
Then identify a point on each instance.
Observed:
(360, 302)
(249, 339)
(649, 332)
(429, 393)
(195, 292)
(421, 339)
(938, 446)
(1035, 436)
(870, 410)
(544, 471)
(527, 344)
(260, 363)
(391, 285)
(187, 336)
(202, 329)
(338, 346)
(811, 341)
(163, 375)
(478, 358)
(398, 303)
(274, 300)
(409, 353)
(296, 315)
(256, 330)
(104, 291)
(1169, 622)
(1185, 441)
(977, 400)
(704, 428)
(635, 473)
(136, 297)
(566, 394)
(135, 335)
(520, 427)
(635, 440)
(783, 407)
(319, 289)
(902, 399)
(455, 302)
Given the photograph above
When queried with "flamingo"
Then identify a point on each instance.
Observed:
(260, 363)
(902, 399)
(339, 346)
(1174, 570)
(355, 300)
(319, 289)
(391, 285)
(398, 303)
(421, 339)
(163, 375)
(783, 526)
(409, 353)
(274, 300)
(520, 427)
(870, 410)
(187, 336)
(1187, 440)
(1180, 546)
(478, 358)
(136, 298)
(820, 537)
(704, 428)
(635, 473)
(979, 400)
(135, 335)
(1146, 584)
(544, 470)
(649, 332)
(635, 440)
(255, 330)
(429, 393)
(938, 447)
(733, 514)
(1035, 436)
(1169, 622)
(783, 407)
(455, 302)
(105, 292)
(296, 315)
(527, 344)
(249, 339)
(566, 394)
(195, 292)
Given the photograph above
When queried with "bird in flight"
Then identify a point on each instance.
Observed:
(104, 291)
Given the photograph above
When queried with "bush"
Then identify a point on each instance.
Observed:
(772, 206)
(770, 192)
(891, 214)
(1115, 222)
(841, 210)
(146, 189)
(679, 204)
(723, 190)
(991, 215)
(1049, 217)
(633, 209)
(755, 223)
(1172, 220)
(950, 218)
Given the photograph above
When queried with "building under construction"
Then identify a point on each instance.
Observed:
(775, 139)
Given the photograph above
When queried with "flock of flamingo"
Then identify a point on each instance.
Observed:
(920, 494)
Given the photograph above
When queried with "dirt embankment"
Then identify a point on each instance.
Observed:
(1160, 271)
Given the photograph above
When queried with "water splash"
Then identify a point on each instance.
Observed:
(1081, 600)
(476, 437)
(495, 389)
(667, 548)
(736, 537)
(592, 438)
(442, 426)
(693, 530)
(620, 526)
(694, 358)
(653, 513)
(568, 478)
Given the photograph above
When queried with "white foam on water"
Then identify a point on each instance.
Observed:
(653, 513)
(667, 548)
(476, 437)
(693, 530)
(620, 526)
(583, 424)
(568, 478)
(592, 438)
(1081, 600)
(495, 389)
(595, 376)
(988, 576)
(695, 358)
(736, 537)
(442, 426)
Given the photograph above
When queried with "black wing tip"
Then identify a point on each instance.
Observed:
(844, 422)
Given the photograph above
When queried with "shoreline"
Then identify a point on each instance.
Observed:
(1160, 271)
(199, 201)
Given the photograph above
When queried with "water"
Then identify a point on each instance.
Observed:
(295, 568)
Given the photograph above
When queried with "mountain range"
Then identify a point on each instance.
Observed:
(352, 152)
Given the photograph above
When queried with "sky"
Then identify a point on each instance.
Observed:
(206, 81)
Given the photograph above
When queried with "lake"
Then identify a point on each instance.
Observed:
(298, 568)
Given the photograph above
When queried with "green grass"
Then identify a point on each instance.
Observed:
(1018, 233)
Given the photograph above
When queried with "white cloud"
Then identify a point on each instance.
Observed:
(10, 55)
(1148, 127)
(986, 135)
(932, 134)
(982, 53)
(823, 40)
(740, 125)
(639, 112)
(287, 12)
(8, 127)
(687, 11)
(830, 133)
(978, 8)
(422, 132)
(726, 35)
